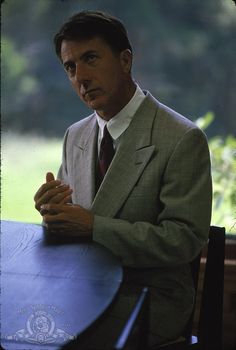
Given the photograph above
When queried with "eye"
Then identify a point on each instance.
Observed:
(91, 58)
(70, 67)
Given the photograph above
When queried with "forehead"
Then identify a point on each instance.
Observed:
(78, 48)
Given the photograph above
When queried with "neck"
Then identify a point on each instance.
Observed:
(128, 93)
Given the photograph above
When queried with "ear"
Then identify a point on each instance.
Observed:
(126, 58)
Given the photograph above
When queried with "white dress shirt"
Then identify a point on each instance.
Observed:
(120, 122)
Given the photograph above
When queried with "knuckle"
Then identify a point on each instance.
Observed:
(37, 206)
(43, 188)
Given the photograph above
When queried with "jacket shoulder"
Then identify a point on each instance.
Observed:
(83, 123)
(169, 126)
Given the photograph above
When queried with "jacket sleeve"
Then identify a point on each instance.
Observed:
(182, 225)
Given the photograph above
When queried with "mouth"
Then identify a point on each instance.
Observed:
(90, 92)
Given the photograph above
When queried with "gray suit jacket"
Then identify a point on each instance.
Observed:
(153, 208)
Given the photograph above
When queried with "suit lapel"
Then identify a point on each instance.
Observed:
(84, 160)
(132, 156)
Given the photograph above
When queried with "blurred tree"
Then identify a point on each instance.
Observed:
(187, 57)
(184, 54)
(223, 161)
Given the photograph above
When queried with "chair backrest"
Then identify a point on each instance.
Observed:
(195, 266)
(209, 334)
(134, 335)
(211, 305)
(211, 308)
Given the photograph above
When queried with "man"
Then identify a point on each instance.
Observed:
(152, 207)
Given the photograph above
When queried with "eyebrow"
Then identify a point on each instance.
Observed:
(82, 57)
(89, 52)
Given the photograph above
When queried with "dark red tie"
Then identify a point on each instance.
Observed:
(106, 152)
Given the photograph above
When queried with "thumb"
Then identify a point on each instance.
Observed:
(49, 177)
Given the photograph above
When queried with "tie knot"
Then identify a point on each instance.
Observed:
(106, 135)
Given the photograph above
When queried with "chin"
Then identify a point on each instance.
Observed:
(96, 104)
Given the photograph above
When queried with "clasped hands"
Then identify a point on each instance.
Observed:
(53, 201)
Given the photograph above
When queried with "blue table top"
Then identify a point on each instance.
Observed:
(53, 289)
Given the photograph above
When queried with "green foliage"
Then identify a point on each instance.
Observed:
(13, 63)
(205, 121)
(223, 160)
(16, 77)
(223, 154)
(184, 53)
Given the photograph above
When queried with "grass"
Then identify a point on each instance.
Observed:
(25, 161)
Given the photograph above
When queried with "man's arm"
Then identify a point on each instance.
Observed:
(182, 226)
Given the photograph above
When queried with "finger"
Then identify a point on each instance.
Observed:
(43, 212)
(65, 228)
(48, 218)
(54, 227)
(61, 228)
(49, 194)
(53, 210)
(61, 225)
(46, 187)
(58, 208)
(50, 177)
(60, 197)
(66, 200)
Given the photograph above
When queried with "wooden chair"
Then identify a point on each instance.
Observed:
(209, 332)
(134, 335)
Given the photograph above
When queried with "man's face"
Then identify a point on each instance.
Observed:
(99, 76)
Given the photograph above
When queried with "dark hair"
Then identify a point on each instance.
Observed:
(89, 24)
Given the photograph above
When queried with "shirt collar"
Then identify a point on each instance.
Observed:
(120, 122)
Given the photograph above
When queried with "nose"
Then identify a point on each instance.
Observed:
(82, 75)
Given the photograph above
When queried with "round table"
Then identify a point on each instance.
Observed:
(53, 289)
